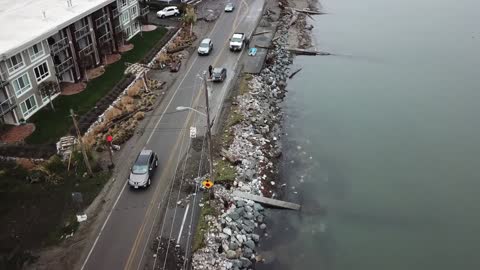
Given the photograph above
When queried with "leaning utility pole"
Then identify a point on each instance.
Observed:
(82, 146)
(209, 127)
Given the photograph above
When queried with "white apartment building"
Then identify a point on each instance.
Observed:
(52, 41)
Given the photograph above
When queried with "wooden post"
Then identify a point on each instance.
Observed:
(82, 146)
(209, 132)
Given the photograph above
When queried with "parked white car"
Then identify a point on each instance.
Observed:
(168, 11)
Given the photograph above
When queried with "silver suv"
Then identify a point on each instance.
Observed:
(142, 171)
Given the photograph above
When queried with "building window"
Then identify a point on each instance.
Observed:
(123, 3)
(15, 62)
(133, 12)
(44, 97)
(28, 106)
(36, 51)
(21, 84)
(41, 71)
(124, 19)
(136, 27)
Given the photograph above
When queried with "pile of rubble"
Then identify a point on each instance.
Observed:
(232, 238)
(122, 117)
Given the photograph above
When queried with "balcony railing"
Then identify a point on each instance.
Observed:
(59, 46)
(86, 51)
(3, 79)
(115, 12)
(102, 20)
(64, 66)
(144, 11)
(105, 38)
(118, 29)
(83, 31)
(7, 105)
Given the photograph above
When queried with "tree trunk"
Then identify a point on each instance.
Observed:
(86, 74)
(191, 29)
(51, 103)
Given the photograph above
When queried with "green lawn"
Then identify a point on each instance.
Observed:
(51, 125)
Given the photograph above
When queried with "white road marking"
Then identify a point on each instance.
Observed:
(103, 226)
(173, 96)
(183, 223)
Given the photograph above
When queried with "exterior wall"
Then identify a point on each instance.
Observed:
(128, 17)
(129, 9)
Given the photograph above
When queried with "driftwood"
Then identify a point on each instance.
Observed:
(294, 73)
(275, 38)
(307, 52)
(227, 155)
(264, 47)
(261, 33)
(308, 11)
(178, 49)
(294, 19)
(175, 66)
(118, 120)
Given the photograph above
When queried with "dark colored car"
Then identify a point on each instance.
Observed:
(219, 74)
(143, 169)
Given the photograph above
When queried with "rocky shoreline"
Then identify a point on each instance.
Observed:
(233, 236)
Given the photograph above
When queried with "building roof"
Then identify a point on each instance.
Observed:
(26, 22)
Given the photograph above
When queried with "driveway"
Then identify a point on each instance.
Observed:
(127, 230)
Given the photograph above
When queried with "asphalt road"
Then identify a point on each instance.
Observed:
(127, 229)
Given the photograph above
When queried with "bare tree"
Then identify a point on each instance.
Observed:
(143, 19)
(84, 62)
(105, 49)
(48, 89)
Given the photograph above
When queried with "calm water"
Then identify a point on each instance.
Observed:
(383, 142)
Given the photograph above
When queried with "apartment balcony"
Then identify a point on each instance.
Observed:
(105, 38)
(3, 79)
(115, 13)
(82, 32)
(64, 66)
(144, 11)
(7, 105)
(59, 46)
(86, 50)
(118, 29)
(101, 21)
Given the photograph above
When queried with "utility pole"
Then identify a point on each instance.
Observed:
(209, 129)
(82, 146)
(110, 150)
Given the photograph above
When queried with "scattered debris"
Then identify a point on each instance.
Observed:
(294, 73)
(231, 241)
(81, 218)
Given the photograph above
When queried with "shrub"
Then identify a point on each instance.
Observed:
(126, 100)
(111, 114)
(134, 90)
(139, 115)
(130, 108)
(55, 165)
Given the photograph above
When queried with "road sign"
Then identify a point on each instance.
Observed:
(207, 183)
(109, 138)
(193, 132)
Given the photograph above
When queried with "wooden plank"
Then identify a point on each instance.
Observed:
(264, 200)
(307, 52)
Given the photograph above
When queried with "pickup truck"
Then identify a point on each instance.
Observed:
(237, 41)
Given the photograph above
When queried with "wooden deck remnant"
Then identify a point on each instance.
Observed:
(268, 201)
(300, 51)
